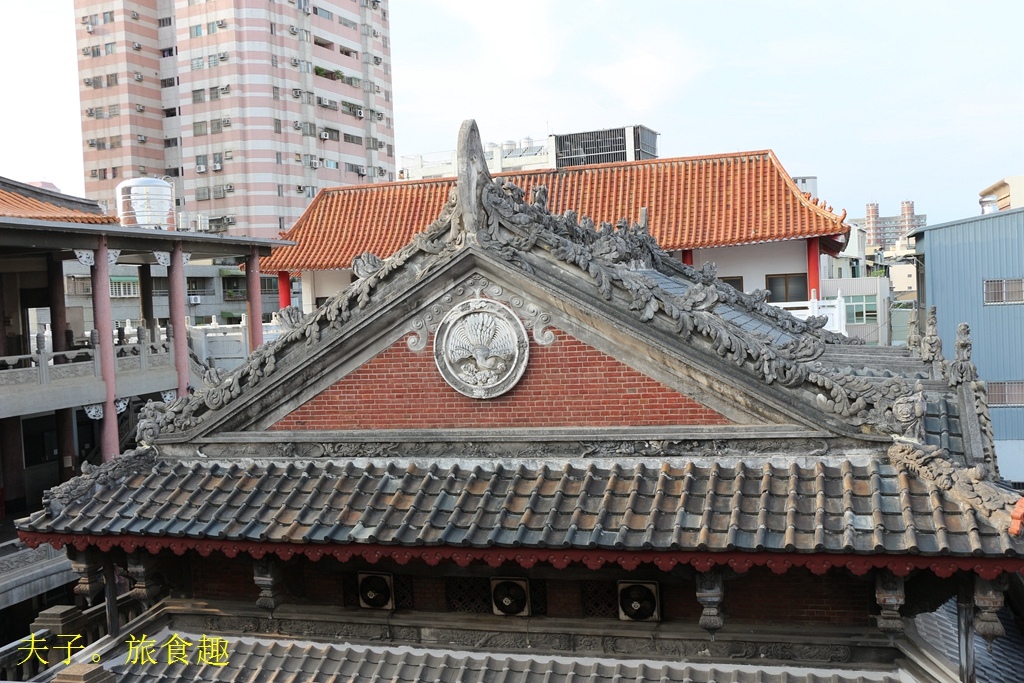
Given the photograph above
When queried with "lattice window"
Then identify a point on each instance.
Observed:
(350, 589)
(465, 594)
(1006, 393)
(403, 591)
(600, 599)
(1006, 291)
(538, 598)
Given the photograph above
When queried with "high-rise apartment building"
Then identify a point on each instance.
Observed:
(885, 231)
(248, 106)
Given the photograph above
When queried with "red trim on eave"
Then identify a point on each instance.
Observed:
(818, 563)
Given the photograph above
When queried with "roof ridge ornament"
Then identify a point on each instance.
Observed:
(473, 176)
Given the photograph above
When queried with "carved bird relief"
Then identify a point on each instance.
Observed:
(486, 342)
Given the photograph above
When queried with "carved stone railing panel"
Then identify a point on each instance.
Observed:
(128, 364)
(19, 377)
(63, 372)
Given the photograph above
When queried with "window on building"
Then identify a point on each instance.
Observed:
(348, 52)
(280, 190)
(163, 21)
(277, 125)
(171, 111)
(214, 60)
(114, 171)
(348, 23)
(197, 63)
(305, 36)
(211, 27)
(276, 92)
(170, 142)
(108, 17)
(202, 194)
(167, 83)
(172, 172)
(234, 288)
(861, 309)
(332, 134)
(115, 141)
(788, 287)
(114, 110)
(354, 139)
(102, 175)
(168, 52)
(308, 97)
(201, 159)
(111, 80)
(195, 31)
(268, 285)
(273, 29)
(355, 168)
(94, 51)
(215, 125)
(277, 157)
(109, 48)
(736, 282)
(124, 288)
(199, 128)
(321, 12)
(198, 96)
(309, 128)
(218, 157)
(273, 60)
(1006, 393)
(1005, 291)
(330, 163)
(218, 192)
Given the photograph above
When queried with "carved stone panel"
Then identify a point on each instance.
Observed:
(481, 348)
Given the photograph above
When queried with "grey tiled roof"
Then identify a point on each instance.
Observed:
(263, 660)
(872, 508)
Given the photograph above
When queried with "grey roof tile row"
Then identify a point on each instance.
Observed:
(846, 508)
(263, 660)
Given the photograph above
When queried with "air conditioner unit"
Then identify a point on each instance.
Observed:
(297, 125)
(307, 9)
(229, 220)
(135, 15)
(228, 154)
(377, 60)
(375, 4)
(314, 164)
(216, 167)
(361, 170)
(376, 591)
(296, 93)
(294, 30)
(295, 61)
(324, 135)
(359, 113)
(88, 28)
(142, 138)
(381, 171)
(229, 188)
(223, 56)
(638, 601)
(376, 33)
(510, 597)
(222, 23)
(86, 51)
(140, 107)
(200, 168)
(194, 299)
(225, 89)
(138, 77)
(376, 89)
(92, 143)
(94, 173)
(226, 122)
(300, 188)
(136, 46)
(85, 20)
(87, 81)
(380, 116)
(90, 112)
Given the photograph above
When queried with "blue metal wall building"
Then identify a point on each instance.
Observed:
(958, 257)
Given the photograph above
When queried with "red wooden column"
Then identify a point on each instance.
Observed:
(176, 304)
(687, 256)
(254, 298)
(813, 267)
(104, 326)
(284, 289)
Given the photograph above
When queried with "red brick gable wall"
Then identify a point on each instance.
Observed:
(566, 384)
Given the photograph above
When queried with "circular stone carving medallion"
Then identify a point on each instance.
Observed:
(481, 348)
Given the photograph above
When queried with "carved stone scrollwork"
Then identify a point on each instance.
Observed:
(162, 257)
(112, 256)
(88, 564)
(988, 599)
(185, 257)
(290, 317)
(913, 333)
(87, 257)
(890, 596)
(268, 577)
(710, 593)
(147, 583)
(481, 348)
(94, 411)
(366, 264)
(121, 405)
(962, 369)
(169, 395)
(931, 345)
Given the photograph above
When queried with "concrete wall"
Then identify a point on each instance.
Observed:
(753, 262)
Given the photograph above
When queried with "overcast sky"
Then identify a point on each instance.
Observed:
(883, 101)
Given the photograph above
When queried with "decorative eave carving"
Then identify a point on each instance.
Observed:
(108, 475)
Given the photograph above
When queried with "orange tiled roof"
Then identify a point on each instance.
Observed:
(692, 202)
(16, 205)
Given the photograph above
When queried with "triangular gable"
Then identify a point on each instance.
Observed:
(567, 383)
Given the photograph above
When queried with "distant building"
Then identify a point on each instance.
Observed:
(612, 145)
(1008, 193)
(972, 270)
(884, 231)
(808, 184)
(249, 107)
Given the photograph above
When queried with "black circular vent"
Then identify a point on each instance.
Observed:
(638, 601)
(509, 597)
(374, 591)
